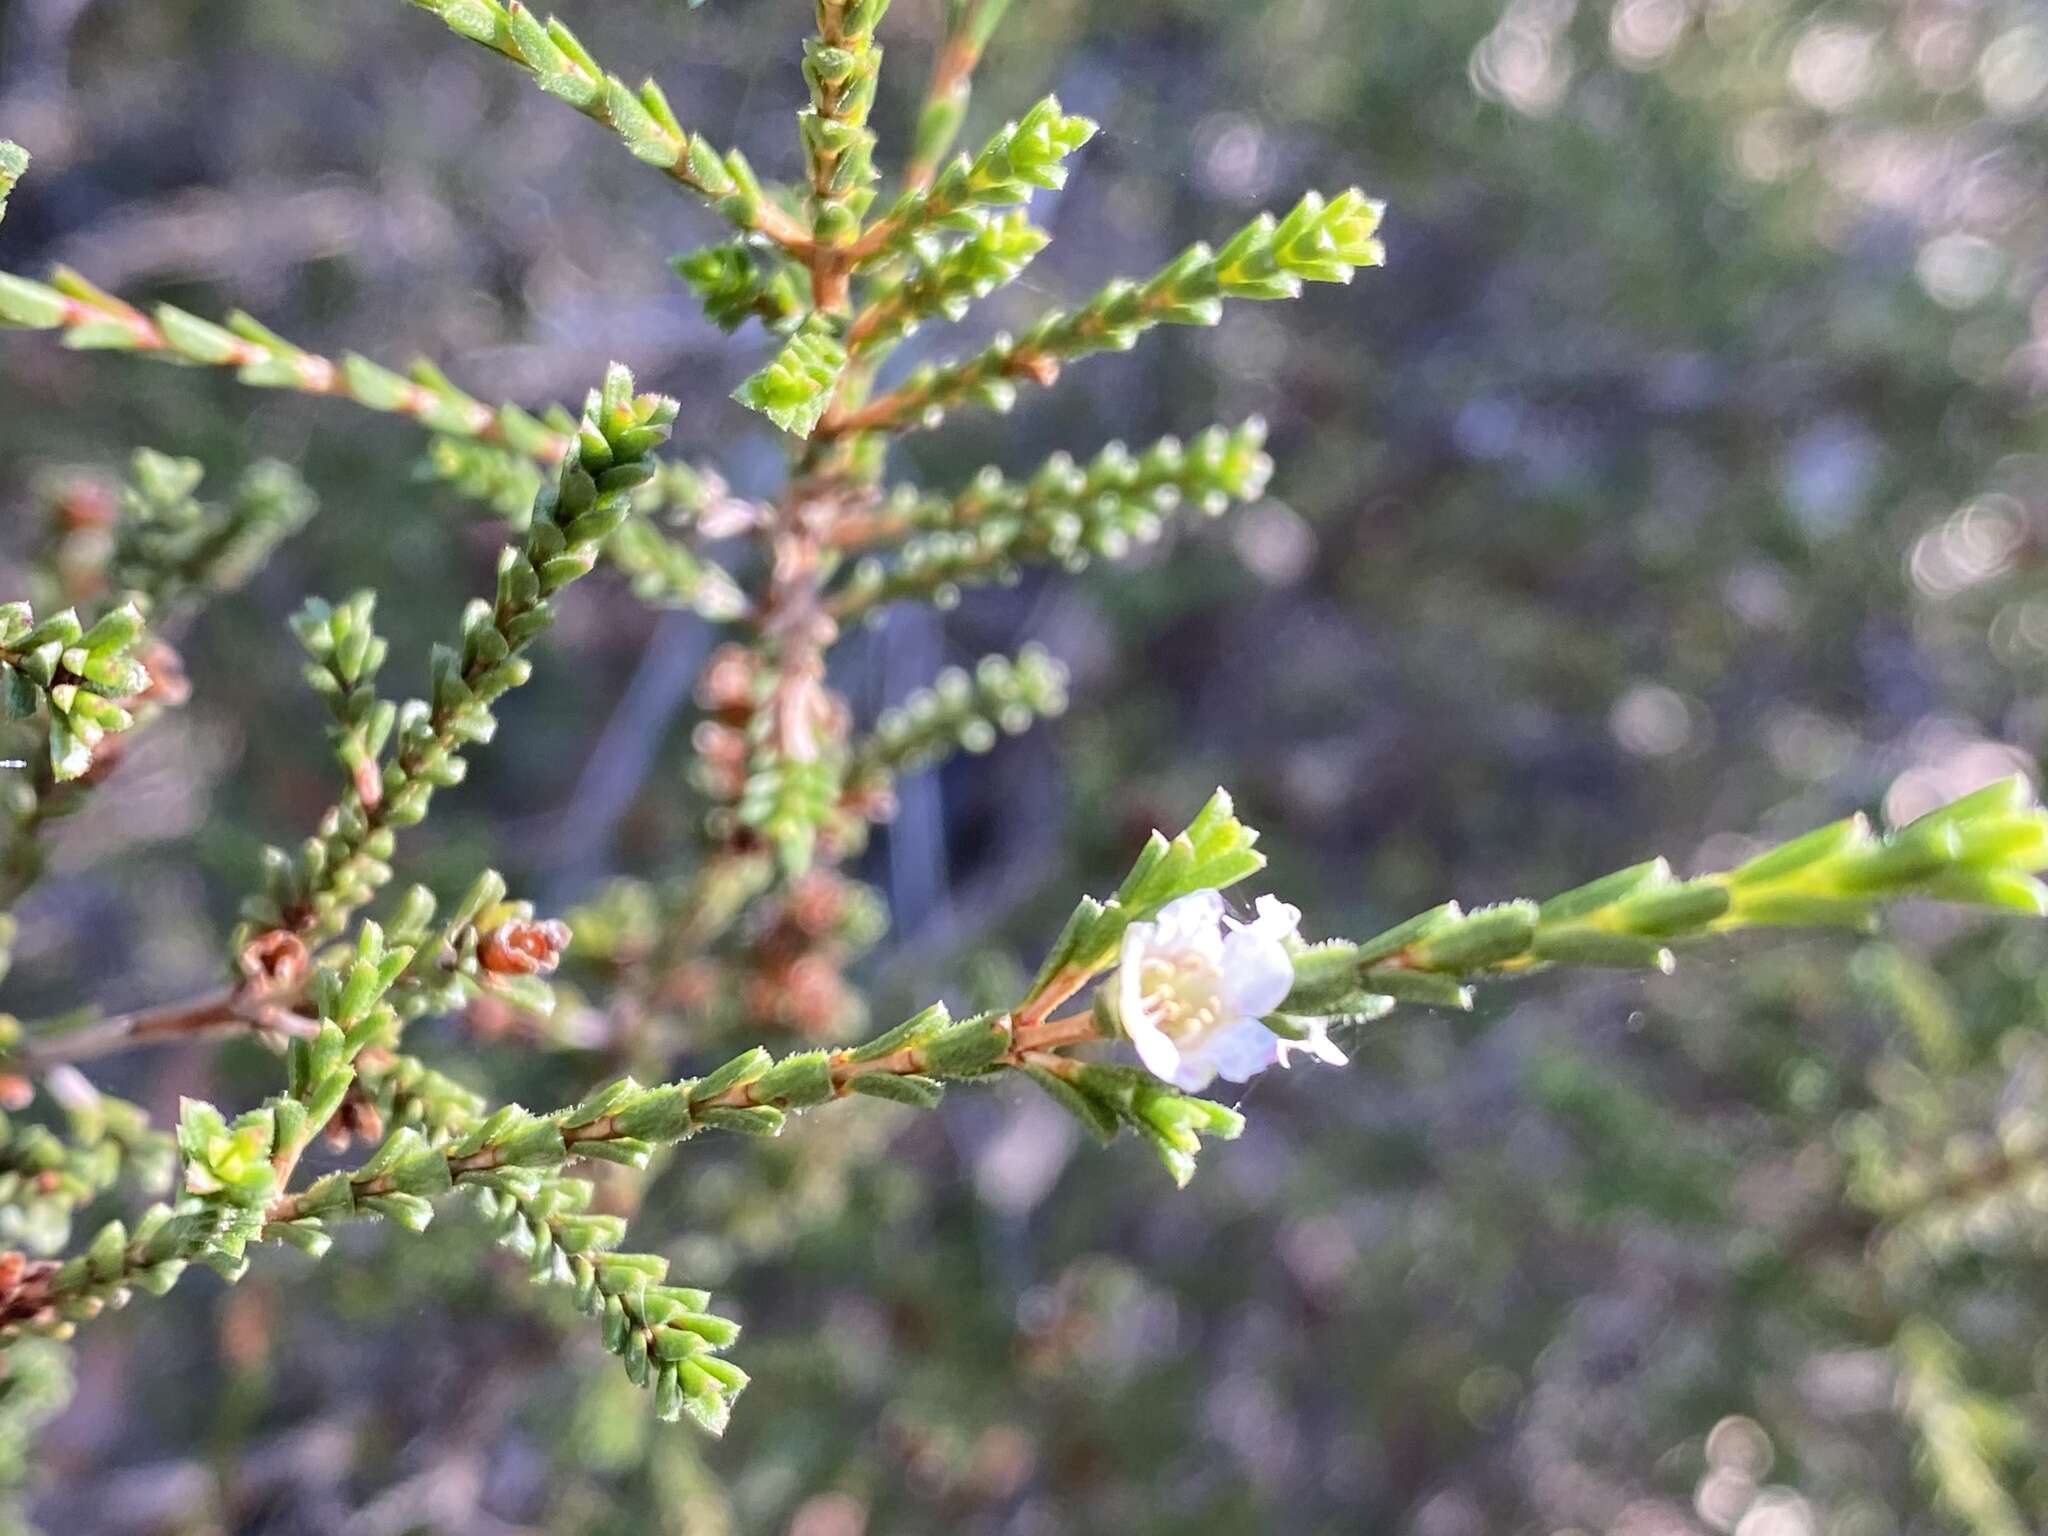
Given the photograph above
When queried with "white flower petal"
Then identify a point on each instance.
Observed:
(1192, 922)
(1258, 973)
(1192, 1075)
(1130, 979)
(1162, 1058)
(1241, 1051)
(1275, 918)
(1318, 1044)
(1194, 984)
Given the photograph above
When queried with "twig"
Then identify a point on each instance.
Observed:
(230, 1010)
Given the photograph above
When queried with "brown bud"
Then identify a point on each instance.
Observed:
(721, 759)
(24, 1287)
(727, 687)
(1037, 367)
(837, 838)
(689, 987)
(761, 996)
(107, 753)
(720, 744)
(355, 1117)
(16, 1092)
(490, 1019)
(273, 961)
(814, 998)
(726, 517)
(523, 947)
(816, 902)
(873, 801)
(368, 777)
(832, 715)
(86, 503)
(246, 1326)
(168, 684)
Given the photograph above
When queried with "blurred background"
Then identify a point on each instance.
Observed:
(1679, 481)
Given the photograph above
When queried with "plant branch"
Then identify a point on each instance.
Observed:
(226, 1010)
(94, 320)
(969, 25)
(642, 119)
(313, 895)
(1318, 241)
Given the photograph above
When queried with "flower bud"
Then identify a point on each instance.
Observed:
(524, 947)
(274, 961)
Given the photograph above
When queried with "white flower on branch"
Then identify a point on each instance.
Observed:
(1195, 984)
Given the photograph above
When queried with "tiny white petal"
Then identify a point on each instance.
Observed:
(1243, 1050)
(1192, 1075)
(1275, 918)
(1318, 1044)
(1162, 1058)
(1130, 980)
(1190, 922)
(1258, 973)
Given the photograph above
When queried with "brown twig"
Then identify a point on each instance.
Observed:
(231, 1010)
(952, 77)
(1031, 1044)
(311, 373)
(907, 404)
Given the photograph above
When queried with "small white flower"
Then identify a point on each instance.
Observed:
(1194, 985)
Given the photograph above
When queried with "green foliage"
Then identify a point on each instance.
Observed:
(35, 1389)
(503, 481)
(992, 251)
(961, 711)
(83, 677)
(1216, 851)
(757, 932)
(1983, 849)
(94, 320)
(116, 1263)
(796, 386)
(169, 546)
(1021, 158)
(969, 26)
(1964, 1435)
(393, 781)
(787, 799)
(667, 573)
(642, 119)
(1318, 242)
(743, 280)
(666, 1338)
(841, 66)
(13, 166)
(48, 1172)
(1065, 513)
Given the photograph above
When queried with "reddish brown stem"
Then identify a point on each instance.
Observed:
(232, 1010)
(313, 374)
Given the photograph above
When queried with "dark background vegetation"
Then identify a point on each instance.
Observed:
(1679, 480)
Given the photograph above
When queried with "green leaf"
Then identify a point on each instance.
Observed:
(915, 1030)
(1217, 850)
(1097, 1118)
(13, 166)
(29, 305)
(795, 388)
(740, 281)
(913, 1088)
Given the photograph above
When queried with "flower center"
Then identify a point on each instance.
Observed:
(1180, 993)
